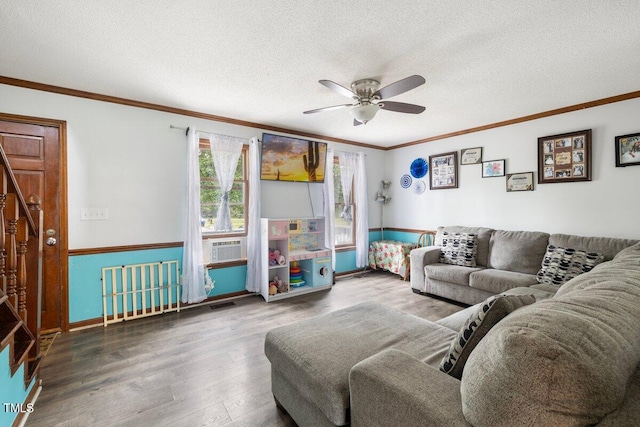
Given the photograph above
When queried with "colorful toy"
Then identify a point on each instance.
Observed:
(273, 257)
(295, 274)
(276, 285)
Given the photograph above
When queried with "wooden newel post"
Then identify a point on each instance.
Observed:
(3, 255)
(3, 204)
(22, 236)
(33, 261)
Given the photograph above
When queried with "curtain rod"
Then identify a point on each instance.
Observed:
(204, 131)
(348, 152)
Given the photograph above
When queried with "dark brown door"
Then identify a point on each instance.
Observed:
(34, 149)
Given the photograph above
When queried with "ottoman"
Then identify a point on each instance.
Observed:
(311, 359)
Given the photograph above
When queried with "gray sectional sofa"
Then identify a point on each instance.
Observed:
(569, 358)
(505, 260)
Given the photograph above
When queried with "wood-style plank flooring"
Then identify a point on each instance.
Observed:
(200, 367)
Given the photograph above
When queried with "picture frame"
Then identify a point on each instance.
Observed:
(471, 156)
(283, 158)
(521, 181)
(493, 168)
(565, 157)
(443, 171)
(628, 150)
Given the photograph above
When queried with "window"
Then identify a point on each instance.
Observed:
(344, 215)
(210, 194)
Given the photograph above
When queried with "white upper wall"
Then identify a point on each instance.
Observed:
(608, 205)
(128, 160)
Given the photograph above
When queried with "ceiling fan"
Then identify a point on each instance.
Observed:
(369, 98)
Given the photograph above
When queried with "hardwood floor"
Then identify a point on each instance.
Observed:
(200, 367)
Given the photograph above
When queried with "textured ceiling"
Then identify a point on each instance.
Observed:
(483, 61)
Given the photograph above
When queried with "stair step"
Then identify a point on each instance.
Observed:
(10, 322)
(22, 343)
(7, 330)
(15, 334)
(33, 368)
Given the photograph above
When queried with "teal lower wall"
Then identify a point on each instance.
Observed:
(85, 276)
(13, 393)
(345, 262)
(228, 280)
(403, 236)
(85, 273)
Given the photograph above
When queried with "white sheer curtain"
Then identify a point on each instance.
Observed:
(254, 256)
(348, 165)
(193, 271)
(362, 216)
(225, 151)
(329, 207)
(354, 166)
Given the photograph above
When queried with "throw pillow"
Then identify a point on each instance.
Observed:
(560, 265)
(459, 249)
(488, 314)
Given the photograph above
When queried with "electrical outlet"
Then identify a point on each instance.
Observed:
(94, 214)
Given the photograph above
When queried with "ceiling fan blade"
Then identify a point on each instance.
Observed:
(338, 88)
(401, 86)
(356, 123)
(334, 107)
(402, 107)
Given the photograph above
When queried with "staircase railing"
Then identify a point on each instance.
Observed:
(20, 272)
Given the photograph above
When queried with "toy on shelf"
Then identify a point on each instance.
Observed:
(295, 275)
(276, 258)
(276, 285)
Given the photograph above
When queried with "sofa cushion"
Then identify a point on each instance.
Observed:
(483, 233)
(519, 251)
(566, 360)
(498, 281)
(608, 246)
(563, 264)
(456, 320)
(459, 249)
(485, 316)
(317, 354)
(624, 266)
(450, 273)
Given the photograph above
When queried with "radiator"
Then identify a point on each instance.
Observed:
(140, 290)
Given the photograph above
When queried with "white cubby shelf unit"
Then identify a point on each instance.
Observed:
(294, 255)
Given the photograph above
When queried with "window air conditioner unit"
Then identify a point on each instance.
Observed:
(224, 250)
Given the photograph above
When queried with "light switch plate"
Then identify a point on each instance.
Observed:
(94, 214)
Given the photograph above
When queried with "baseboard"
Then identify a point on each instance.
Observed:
(99, 321)
(351, 272)
(29, 402)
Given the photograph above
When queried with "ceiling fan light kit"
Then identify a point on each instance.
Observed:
(369, 98)
(364, 113)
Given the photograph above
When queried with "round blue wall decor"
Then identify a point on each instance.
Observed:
(405, 181)
(419, 168)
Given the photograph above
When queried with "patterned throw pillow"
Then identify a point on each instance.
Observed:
(488, 314)
(459, 249)
(560, 265)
